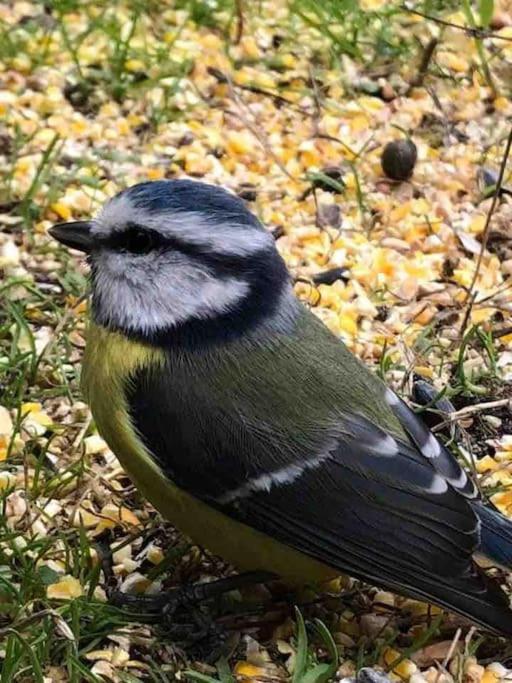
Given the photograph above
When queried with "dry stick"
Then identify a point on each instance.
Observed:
(259, 137)
(470, 300)
(27, 621)
(428, 53)
(239, 9)
(279, 99)
(82, 431)
(478, 407)
(469, 410)
(75, 512)
(332, 138)
(487, 73)
(487, 225)
(318, 103)
(242, 105)
(474, 32)
(487, 475)
(497, 334)
(449, 655)
(499, 290)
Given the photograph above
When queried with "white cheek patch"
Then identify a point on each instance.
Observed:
(146, 297)
(190, 226)
(214, 298)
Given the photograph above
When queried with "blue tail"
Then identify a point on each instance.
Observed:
(496, 535)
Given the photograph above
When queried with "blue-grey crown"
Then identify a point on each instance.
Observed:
(189, 195)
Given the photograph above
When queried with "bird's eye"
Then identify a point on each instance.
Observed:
(139, 241)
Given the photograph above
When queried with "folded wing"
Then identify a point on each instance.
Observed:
(363, 501)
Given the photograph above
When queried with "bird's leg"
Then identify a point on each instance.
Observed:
(194, 593)
(104, 552)
(184, 614)
(196, 630)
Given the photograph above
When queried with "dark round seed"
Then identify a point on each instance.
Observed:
(399, 158)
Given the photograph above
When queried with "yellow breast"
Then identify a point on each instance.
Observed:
(110, 359)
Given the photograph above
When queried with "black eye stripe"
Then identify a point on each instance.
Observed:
(138, 239)
(139, 242)
(134, 238)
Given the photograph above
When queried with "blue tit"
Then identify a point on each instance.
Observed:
(251, 427)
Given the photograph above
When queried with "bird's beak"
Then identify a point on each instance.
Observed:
(76, 235)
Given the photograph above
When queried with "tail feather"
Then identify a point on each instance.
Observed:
(476, 597)
(496, 535)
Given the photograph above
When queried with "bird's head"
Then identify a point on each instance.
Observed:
(176, 257)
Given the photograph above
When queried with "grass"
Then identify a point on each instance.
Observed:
(363, 35)
(37, 633)
(136, 60)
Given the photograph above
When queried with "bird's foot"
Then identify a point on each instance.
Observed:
(190, 594)
(185, 614)
(195, 631)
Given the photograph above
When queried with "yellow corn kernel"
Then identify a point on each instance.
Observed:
(66, 588)
(62, 210)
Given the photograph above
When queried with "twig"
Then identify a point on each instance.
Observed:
(422, 640)
(224, 78)
(27, 621)
(260, 137)
(324, 136)
(82, 431)
(453, 645)
(487, 226)
(316, 98)
(239, 9)
(497, 334)
(502, 467)
(479, 407)
(474, 32)
(468, 638)
(470, 410)
(428, 53)
(470, 18)
(497, 292)
(470, 301)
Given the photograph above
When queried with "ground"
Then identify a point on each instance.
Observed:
(289, 105)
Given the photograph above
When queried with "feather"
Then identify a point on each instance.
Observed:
(269, 436)
(496, 542)
(430, 447)
(248, 424)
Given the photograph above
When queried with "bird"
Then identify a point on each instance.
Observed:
(252, 428)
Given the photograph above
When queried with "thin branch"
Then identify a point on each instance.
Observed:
(503, 332)
(487, 226)
(471, 410)
(497, 292)
(470, 302)
(239, 9)
(428, 53)
(474, 32)
(318, 103)
(470, 18)
(279, 99)
(258, 133)
(480, 407)
(27, 621)
(324, 136)
(450, 652)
